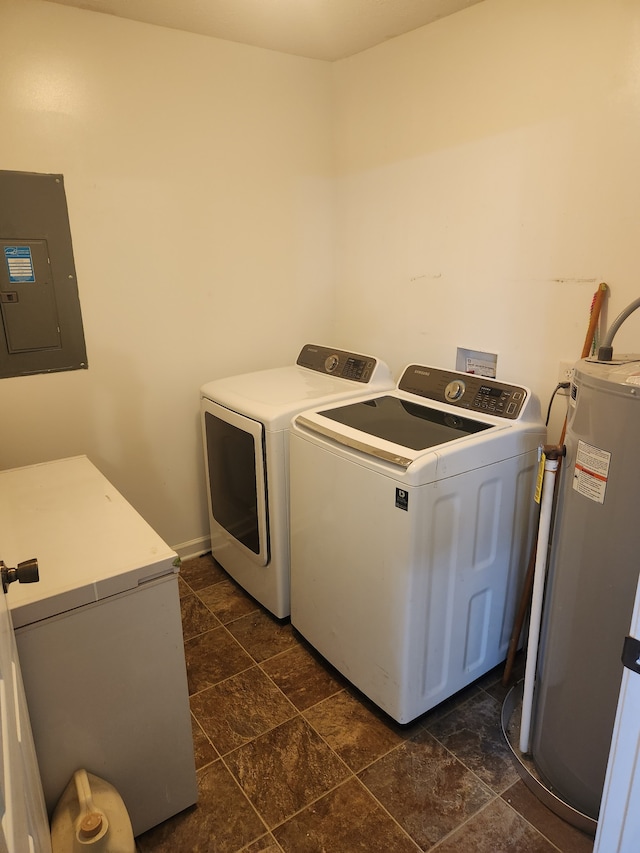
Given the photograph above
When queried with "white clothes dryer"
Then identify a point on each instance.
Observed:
(411, 523)
(245, 424)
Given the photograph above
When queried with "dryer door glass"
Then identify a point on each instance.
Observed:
(236, 480)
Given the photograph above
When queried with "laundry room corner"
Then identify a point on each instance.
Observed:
(288, 507)
(487, 183)
(201, 230)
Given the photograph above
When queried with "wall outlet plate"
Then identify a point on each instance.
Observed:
(565, 374)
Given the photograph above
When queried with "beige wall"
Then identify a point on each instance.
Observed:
(467, 184)
(489, 179)
(198, 182)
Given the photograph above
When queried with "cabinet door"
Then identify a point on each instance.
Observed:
(619, 821)
(24, 827)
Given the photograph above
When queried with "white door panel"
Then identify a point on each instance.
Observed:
(24, 827)
(619, 821)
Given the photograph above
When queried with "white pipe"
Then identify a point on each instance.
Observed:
(544, 527)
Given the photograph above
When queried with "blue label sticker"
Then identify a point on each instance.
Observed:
(19, 263)
(402, 499)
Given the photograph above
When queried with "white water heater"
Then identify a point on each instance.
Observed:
(593, 574)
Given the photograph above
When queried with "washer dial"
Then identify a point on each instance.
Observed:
(331, 362)
(454, 390)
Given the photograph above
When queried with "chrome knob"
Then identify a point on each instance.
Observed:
(454, 390)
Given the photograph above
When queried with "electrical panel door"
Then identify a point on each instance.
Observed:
(40, 320)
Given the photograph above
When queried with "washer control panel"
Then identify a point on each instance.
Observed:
(344, 365)
(465, 390)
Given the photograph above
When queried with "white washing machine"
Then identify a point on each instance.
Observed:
(245, 423)
(411, 523)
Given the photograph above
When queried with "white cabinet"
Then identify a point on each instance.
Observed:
(99, 639)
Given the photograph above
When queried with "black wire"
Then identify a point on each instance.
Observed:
(558, 387)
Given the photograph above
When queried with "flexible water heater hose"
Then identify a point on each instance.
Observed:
(605, 352)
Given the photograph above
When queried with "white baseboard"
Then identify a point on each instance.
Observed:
(193, 548)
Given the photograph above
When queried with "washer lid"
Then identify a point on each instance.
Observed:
(90, 543)
(437, 423)
(404, 422)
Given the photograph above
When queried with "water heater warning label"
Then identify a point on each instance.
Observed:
(591, 472)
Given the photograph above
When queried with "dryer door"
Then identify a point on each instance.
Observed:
(236, 479)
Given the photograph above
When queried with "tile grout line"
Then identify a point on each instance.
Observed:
(497, 795)
(300, 713)
(535, 828)
(247, 798)
(451, 833)
(297, 712)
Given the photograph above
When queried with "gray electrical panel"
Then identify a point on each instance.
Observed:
(41, 324)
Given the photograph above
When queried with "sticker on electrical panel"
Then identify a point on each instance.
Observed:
(19, 264)
(591, 471)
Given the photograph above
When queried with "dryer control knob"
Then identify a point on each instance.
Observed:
(454, 390)
(331, 363)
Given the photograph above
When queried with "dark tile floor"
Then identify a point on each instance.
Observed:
(291, 758)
